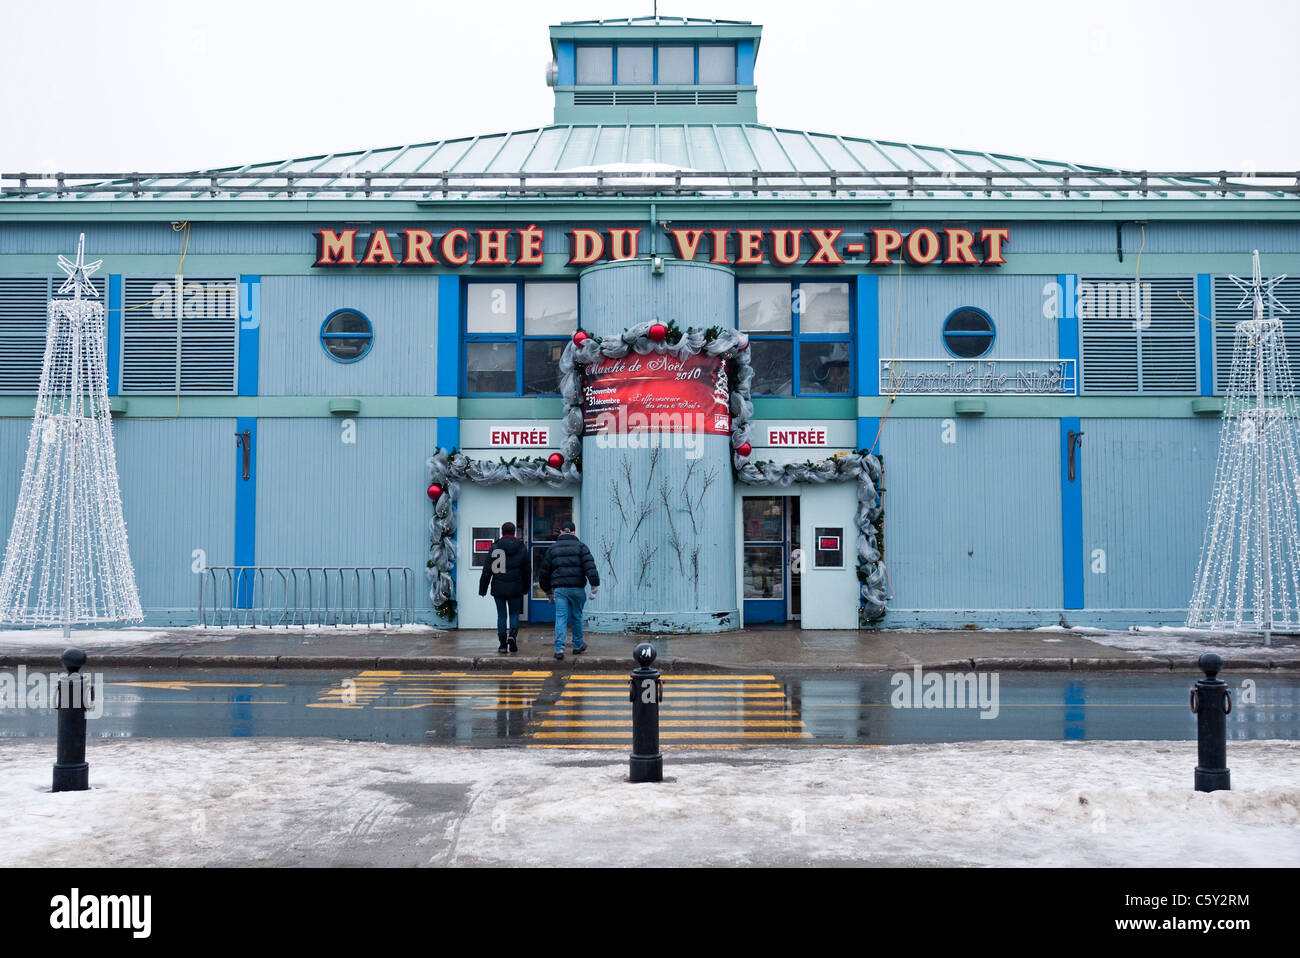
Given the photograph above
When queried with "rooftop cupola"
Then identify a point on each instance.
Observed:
(654, 70)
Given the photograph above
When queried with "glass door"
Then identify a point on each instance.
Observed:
(764, 559)
(539, 519)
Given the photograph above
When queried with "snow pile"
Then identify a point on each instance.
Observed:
(81, 638)
(279, 801)
(1175, 640)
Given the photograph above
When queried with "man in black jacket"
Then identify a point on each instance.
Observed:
(564, 571)
(510, 573)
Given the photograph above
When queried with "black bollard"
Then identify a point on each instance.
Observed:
(71, 773)
(1211, 701)
(646, 690)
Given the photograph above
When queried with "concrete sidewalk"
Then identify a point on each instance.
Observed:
(768, 649)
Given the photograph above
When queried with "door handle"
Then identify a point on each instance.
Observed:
(244, 440)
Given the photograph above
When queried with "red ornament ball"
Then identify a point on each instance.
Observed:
(744, 449)
(580, 337)
(658, 332)
(435, 492)
(555, 460)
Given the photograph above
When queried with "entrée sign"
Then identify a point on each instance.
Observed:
(756, 246)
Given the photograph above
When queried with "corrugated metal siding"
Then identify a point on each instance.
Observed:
(1146, 489)
(14, 434)
(975, 524)
(401, 362)
(321, 501)
(1015, 304)
(178, 494)
(650, 575)
(1236, 237)
(124, 239)
(610, 299)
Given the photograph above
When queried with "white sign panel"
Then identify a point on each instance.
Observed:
(515, 437)
(796, 435)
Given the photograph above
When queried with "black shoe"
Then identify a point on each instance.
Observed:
(513, 645)
(559, 655)
(501, 649)
(580, 651)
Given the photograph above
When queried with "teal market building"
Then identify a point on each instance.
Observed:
(989, 384)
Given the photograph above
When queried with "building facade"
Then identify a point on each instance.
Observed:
(1033, 350)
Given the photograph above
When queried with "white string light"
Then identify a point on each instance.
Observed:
(1249, 574)
(67, 560)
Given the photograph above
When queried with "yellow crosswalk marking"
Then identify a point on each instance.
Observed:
(721, 711)
(180, 685)
(664, 736)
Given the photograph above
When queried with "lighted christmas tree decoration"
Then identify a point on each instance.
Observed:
(67, 561)
(1249, 574)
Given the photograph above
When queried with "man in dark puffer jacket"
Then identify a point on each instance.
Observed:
(510, 572)
(564, 570)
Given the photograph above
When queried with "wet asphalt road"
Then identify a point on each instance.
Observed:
(565, 709)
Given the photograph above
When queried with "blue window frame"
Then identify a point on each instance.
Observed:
(801, 336)
(514, 332)
(346, 335)
(968, 332)
(594, 61)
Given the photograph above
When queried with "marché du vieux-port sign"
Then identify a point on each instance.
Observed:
(741, 246)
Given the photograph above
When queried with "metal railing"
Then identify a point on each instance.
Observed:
(266, 596)
(228, 184)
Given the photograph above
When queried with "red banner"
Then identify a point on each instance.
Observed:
(657, 393)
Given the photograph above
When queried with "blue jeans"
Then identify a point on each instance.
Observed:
(568, 608)
(507, 611)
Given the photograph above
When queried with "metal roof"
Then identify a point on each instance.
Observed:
(711, 159)
(655, 22)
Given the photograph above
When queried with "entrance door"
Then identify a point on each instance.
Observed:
(771, 585)
(539, 519)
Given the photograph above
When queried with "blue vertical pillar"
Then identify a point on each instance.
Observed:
(1071, 518)
(1071, 490)
(246, 508)
(867, 349)
(114, 333)
(250, 323)
(448, 356)
(1205, 333)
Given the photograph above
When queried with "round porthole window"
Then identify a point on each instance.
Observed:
(968, 332)
(346, 335)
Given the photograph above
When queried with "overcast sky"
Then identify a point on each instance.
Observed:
(158, 85)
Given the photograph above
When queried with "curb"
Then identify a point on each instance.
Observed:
(491, 663)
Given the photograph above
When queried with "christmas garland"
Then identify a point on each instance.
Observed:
(865, 469)
(447, 470)
(656, 337)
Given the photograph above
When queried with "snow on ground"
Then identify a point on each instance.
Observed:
(81, 638)
(312, 630)
(1173, 640)
(281, 801)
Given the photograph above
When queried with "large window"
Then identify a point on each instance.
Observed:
(515, 333)
(643, 64)
(800, 337)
